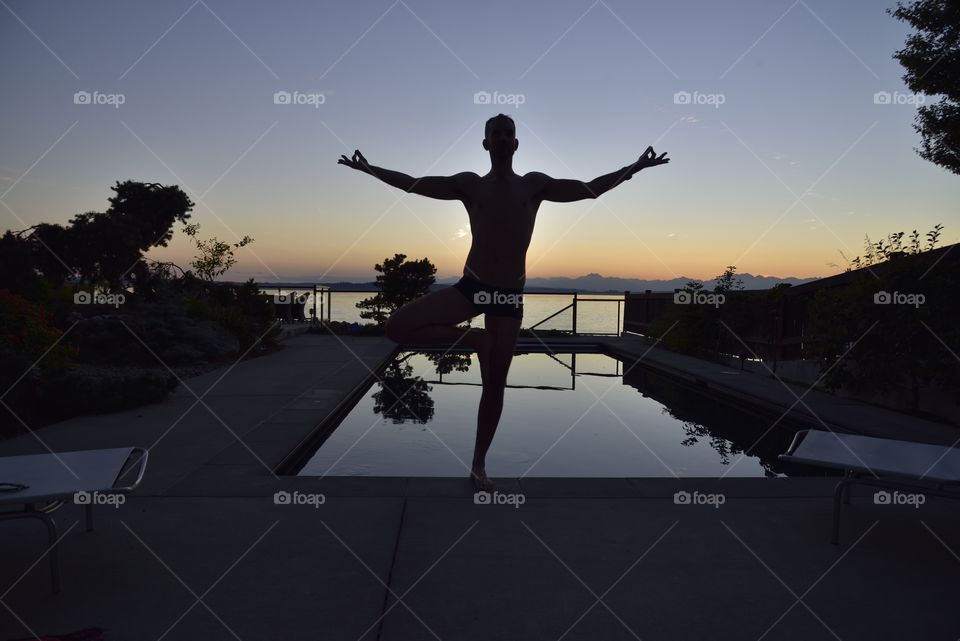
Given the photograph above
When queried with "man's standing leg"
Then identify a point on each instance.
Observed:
(505, 330)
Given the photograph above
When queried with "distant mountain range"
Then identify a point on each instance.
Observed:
(593, 283)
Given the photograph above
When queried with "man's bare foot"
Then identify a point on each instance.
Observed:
(478, 476)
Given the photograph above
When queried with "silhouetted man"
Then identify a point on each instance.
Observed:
(502, 207)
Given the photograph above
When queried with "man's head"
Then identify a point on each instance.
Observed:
(500, 136)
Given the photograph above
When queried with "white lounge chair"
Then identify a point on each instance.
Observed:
(41, 483)
(920, 467)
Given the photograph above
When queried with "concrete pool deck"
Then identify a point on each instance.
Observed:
(202, 550)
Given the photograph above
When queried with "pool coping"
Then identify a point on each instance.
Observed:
(246, 482)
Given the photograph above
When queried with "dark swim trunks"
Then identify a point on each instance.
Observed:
(491, 299)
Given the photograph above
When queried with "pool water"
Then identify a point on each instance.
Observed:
(564, 415)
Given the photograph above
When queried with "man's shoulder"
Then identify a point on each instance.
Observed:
(536, 182)
(466, 184)
(536, 178)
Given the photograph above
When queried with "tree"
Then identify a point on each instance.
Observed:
(399, 282)
(728, 281)
(106, 246)
(932, 60)
(17, 271)
(215, 257)
(732, 316)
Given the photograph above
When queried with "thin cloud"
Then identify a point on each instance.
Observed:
(783, 158)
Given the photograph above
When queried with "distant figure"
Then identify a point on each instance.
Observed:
(502, 207)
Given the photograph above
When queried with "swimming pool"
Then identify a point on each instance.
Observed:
(568, 414)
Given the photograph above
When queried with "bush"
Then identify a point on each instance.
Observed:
(706, 329)
(26, 331)
(97, 391)
(869, 337)
(243, 310)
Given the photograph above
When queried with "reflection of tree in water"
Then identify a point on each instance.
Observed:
(725, 448)
(403, 397)
(722, 446)
(446, 363)
(731, 431)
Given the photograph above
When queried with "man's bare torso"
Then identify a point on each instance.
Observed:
(502, 214)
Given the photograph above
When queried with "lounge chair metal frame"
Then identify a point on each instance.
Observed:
(860, 475)
(40, 506)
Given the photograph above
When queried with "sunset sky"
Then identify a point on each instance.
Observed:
(798, 162)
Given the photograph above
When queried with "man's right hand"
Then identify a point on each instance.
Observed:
(648, 159)
(357, 162)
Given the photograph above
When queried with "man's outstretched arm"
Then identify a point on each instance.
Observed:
(564, 190)
(440, 187)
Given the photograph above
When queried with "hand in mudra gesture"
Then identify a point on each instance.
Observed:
(357, 162)
(648, 159)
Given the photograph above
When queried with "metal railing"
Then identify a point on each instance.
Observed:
(290, 303)
(573, 306)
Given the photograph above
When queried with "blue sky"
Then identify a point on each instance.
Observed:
(797, 162)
